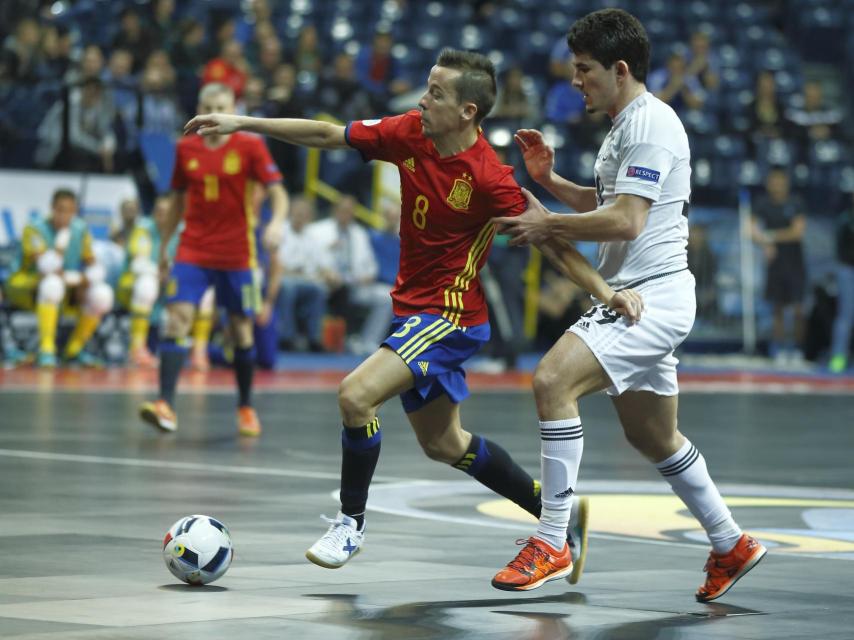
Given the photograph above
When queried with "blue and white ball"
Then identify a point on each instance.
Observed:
(197, 549)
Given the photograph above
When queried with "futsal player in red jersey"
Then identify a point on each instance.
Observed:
(452, 185)
(213, 186)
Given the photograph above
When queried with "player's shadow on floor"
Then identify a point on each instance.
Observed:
(432, 619)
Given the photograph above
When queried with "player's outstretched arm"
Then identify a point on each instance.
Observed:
(539, 161)
(623, 220)
(575, 266)
(306, 133)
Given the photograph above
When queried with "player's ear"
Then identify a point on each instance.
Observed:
(622, 69)
(469, 111)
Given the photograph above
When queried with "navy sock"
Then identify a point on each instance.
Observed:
(172, 357)
(360, 452)
(244, 368)
(493, 467)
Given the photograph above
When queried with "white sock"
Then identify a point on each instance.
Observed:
(562, 442)
(687, 474)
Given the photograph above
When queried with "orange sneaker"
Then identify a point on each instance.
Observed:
(247, 422)
(724, 570)
(159, 414)
(536, 564)
(141, 357)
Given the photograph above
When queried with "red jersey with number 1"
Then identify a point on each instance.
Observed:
(447, 206)
(219, 215)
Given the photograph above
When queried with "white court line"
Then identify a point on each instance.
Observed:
(180, 466)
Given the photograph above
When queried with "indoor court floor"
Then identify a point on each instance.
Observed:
(87, 492)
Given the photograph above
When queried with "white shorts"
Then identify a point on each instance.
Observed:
(639, 357)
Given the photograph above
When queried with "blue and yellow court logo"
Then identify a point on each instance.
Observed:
(802, 525)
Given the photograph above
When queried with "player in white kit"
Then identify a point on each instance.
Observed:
(638, 212)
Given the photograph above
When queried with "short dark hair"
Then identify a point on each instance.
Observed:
(610, 35)
(61, 193)
(476, 82)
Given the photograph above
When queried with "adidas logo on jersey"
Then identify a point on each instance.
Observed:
(423, 366)
(409, 163)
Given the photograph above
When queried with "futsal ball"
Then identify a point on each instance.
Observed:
(197, 549)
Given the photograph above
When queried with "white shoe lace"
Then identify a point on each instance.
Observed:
(337, 534)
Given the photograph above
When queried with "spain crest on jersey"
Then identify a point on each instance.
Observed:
(192, 164)
(231, 163)
(460, 195)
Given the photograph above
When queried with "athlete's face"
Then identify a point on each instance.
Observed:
(63, 212)
(441, 111)
(597, 84)
(222, 102)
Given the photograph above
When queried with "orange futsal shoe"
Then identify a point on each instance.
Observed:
(248, 423)
(536, 564)
(159, 414)
(724, 570)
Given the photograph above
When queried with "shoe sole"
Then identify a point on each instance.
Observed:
(149, 415)
(747, 567)
(563, 573)
(254, 433)
(578, 563)
(326, 565)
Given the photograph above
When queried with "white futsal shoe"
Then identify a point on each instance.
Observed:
(342, 541)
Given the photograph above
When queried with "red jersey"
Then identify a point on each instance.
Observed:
(447, 206)
(219, 216)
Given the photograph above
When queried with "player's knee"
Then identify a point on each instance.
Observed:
(51, 289)
(143, 266)
(99, 298)
(145, 292)
(547, 383)
(352, 401)
(49, 262)
(95, 274)
(206, 304)
(179, 320)
(436, 449)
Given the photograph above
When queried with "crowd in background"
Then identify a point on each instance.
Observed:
(88, 85)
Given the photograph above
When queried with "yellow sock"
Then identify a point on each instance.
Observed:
(202, 328)
(48, 317)
(138, 330)
(82, 332)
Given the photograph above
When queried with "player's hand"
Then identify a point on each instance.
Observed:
(539, 157)
(163, 267)
(529, 228)
(628, 303)
(273, 235)
(213, 124)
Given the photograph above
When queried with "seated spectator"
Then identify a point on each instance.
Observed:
(812, 120)
(163, 28)
(19, 56)
(340, 94)
(283, 101)
(91, 65)
(386, 244)
(353, 283)
(378, 71)
(564, 103)
(778, 225)
(56, 47)
(514, 101)
(91, 140)
(307, 56)
(133, 36)
(766, 109)
(675, 85)
(703, 63)
(298, 281)
(58, 273)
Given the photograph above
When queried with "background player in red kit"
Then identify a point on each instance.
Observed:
(213, 186)
(452, 185)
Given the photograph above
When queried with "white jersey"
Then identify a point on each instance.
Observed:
(646, 154)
